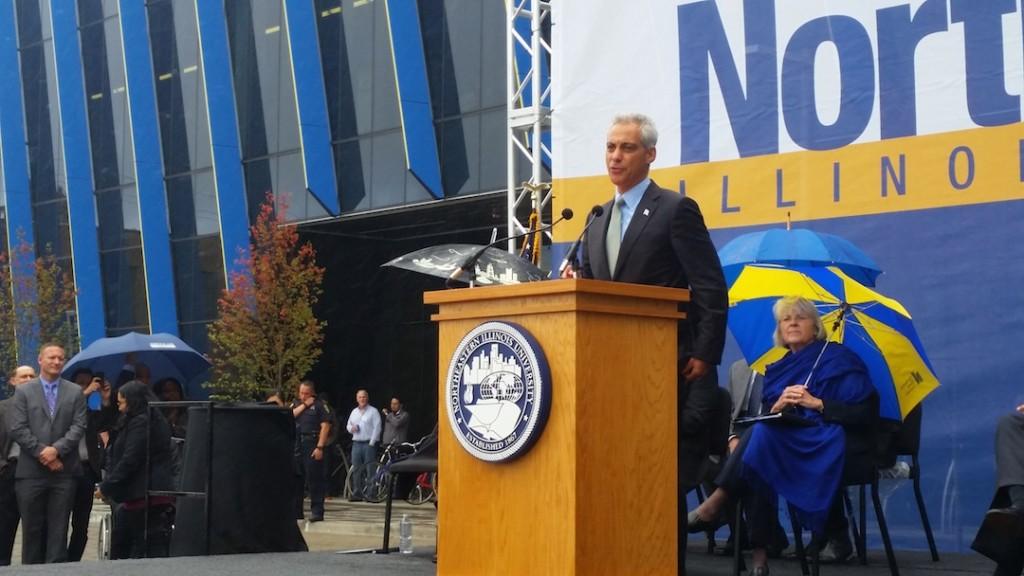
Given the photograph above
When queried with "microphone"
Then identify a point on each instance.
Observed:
(467, 272)
(570, 256)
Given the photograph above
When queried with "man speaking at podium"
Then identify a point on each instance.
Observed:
(650, 235)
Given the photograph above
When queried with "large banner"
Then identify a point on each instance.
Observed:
(896, 124)
(805, 108)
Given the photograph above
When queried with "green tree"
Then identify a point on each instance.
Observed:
(267, 336)
(8, 339)
(45, 310)
(54, 309)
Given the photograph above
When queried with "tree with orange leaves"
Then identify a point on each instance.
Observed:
(267, 335)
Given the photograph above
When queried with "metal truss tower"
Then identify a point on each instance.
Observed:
(529, 115)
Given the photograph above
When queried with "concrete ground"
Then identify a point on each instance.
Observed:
(353, 527)
(346, 526)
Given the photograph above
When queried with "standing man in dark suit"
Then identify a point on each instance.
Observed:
(9, 452)
(98, 423)
(47, 421)
(650, 235)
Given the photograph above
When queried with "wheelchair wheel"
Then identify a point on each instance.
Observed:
(103, 541)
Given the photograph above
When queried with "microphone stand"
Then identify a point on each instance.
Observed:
(570, 256)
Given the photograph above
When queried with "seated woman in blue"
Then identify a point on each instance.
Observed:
(824, 383)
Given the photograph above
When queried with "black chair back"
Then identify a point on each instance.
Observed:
(859, 466)
(908, 442)
(719, 437)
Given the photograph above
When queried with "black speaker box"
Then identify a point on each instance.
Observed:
(253, 482)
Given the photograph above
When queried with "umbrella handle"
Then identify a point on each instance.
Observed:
(843, 307)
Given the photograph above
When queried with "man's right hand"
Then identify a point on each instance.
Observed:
(56, 465)
(47, 455)
(569, 272)
(93, 386)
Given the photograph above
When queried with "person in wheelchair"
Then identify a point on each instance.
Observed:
(124, 484)
(826, 388)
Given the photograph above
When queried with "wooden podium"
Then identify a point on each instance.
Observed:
(596, 493)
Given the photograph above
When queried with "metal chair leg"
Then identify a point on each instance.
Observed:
(737, 542)
(861, 553)
(924, 513)
(862, 537)
(884, 529)
(798, 541)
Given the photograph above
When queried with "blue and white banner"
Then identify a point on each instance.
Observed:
(893, 123)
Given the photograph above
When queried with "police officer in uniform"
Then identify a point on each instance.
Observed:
(312, 427)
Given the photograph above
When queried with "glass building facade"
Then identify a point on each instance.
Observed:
(143, 135)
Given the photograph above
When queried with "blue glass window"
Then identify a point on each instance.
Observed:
(181, 93)
(199, 273)
(124, 291)
(189, 180)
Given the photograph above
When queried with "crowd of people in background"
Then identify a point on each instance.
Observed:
(65, 443)
(316, 428)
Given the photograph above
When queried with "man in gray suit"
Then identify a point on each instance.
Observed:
(47, 420)
(9, 453)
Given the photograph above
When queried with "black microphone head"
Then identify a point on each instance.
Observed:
(597, 210)
(566, 213)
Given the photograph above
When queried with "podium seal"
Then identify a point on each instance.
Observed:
(498, 391)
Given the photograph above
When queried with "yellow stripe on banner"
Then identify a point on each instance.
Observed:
(974, 166)
(910, 374)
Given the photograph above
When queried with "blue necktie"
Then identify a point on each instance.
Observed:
(51, 397)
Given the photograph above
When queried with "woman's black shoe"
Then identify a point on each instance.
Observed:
(695, 523)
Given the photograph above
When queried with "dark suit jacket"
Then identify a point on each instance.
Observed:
(5, 437)
(97, 421)
(667, 244)
(33, 429)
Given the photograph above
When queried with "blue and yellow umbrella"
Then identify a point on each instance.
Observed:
(877, 328)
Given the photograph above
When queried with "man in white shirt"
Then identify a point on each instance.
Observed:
(364, 425)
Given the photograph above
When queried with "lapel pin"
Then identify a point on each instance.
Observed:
(647, 212)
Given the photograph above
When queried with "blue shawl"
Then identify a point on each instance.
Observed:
(805, 465)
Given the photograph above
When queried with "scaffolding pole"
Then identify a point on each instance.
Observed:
(529, 114)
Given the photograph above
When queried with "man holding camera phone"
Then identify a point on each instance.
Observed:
(100, 418)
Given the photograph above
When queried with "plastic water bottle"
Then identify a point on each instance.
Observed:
(405, 535)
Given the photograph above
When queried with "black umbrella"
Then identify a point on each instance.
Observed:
(493, 266)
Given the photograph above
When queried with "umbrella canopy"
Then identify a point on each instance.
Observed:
(797, 248)
(166, 355)
(877, 328)
(495, 266)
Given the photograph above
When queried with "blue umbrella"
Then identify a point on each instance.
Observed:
(797, 247)
(166, 355)
(877, 328)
